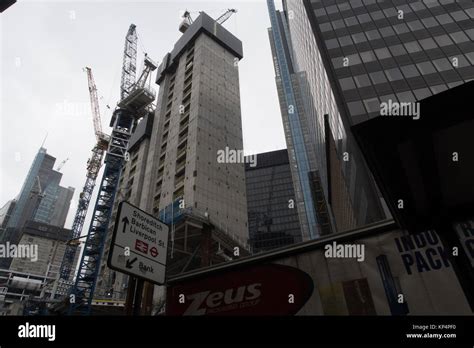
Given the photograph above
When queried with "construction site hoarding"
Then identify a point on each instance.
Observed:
(377, 270)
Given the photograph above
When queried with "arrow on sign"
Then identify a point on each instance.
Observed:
(130, 263)
(125, 223)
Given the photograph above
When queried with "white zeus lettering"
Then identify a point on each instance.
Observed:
(206, 302)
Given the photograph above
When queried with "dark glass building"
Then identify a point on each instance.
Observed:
(402, 51)
(343, 193)
(357, 56)
(272, 214)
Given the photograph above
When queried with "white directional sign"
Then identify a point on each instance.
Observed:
(139, 244)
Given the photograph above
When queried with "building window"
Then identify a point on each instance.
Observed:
(415, 25)
(387, 31)
(360, 37)
(443, 40)
(442, 64)
(325, 26)
(345, 40)
(362, 80)
(428, 44)
(347, 83)
(439, 88)
(429, 22)
(364, 18)
(377, 15)
(372, 105)
(382, 53)
(409, 71)
(459, 37)
(356, 108)
(444, 19)
(332, 44)
(394, 74)
(338, 24)
(378, 77)
(367, 56)
(351, 21)
(406, 97)
(422, 93)
(412, 47)
(459, 15)
(426, 68)
(397, 50)
(401, 28)
(331, 9)
(470, 33)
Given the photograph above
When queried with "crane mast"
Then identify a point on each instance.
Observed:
(93, 166)
(129, 66)
(123, 122)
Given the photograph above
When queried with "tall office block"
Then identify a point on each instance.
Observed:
(197, 116)
(272, 213)
(402, 51)
(300, 148)
(174, 166)
(61, 206)
(359, 55)
(356, 57)
(38, 198)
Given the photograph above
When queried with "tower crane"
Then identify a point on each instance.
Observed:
(61, 165)
(188, 20)
(134, 98)
(226, 15)
(93, 166)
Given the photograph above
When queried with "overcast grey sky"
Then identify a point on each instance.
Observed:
(45, 44)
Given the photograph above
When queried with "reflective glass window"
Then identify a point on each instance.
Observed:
(347, 83)
(382, 53)
(394, 74)
(378, 77)
(362, 80)
(442, 64)
(426, 68)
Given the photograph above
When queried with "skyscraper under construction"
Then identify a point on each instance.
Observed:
(174, 172)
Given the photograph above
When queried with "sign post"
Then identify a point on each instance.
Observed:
(139, 245)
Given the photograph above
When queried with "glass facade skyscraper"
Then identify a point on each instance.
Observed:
(347, 197)
(41, 197)
(354, 56)
(296, 129)
(393, 50)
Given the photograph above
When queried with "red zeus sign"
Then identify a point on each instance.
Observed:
(258, 290)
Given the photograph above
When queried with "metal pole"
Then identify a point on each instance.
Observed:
(138, 297)
(147, 298)
(130, 295)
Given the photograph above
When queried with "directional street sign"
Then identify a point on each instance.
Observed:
(139, 244)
